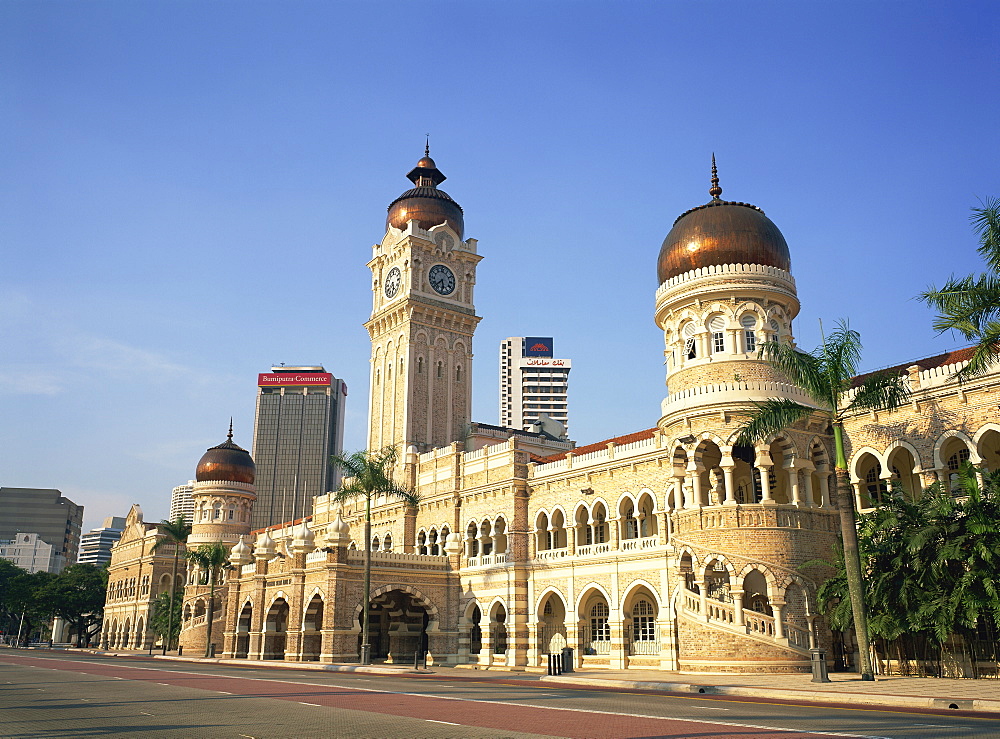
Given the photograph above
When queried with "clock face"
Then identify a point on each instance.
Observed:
(392, 282)
(442, 279)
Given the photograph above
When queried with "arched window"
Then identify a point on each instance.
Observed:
(440, 369)
(717, 326)
(600, 630)
(690, 345)
(387, 543)
(375, 543)
(749, 323)
(458, 373)
(955, 462)
(643, 621)
(877, 489)
(420, 365)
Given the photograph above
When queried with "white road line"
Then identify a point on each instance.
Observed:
(317, 705)
(145, 714)
(223, 692)
(450, 723)
(167, 684)
(497, 703)
(711, 708)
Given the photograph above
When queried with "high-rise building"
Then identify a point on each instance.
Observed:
(299, 425)
(533, 383)
(44, 511)
(32, 553)
(182, 502)
(95, 545)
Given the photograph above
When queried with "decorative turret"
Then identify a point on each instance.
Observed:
(425, 203)
(338, 533)
(240, 554)
(303, 540)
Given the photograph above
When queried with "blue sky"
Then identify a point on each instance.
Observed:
(191, 191)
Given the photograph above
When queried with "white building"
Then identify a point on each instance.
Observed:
(181, 502)
(32, 553)
(95, 545)
(533, 383)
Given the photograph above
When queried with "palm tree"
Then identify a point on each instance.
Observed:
(211, 558)
(368, 474)
(827, 375)
(971, 305)
(175, 533)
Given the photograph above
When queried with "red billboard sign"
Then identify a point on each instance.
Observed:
(267, 379)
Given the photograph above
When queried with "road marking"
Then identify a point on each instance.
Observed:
(710, 708)
(317, 705)
(167, 684)
(507, 703)
(145, 714)
(223, 692)
(450, 723)
(246, 736)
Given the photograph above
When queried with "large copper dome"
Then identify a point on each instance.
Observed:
(721, 232)
(226, 462)
(425, 203)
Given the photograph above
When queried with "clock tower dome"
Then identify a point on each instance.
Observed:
(423, 319)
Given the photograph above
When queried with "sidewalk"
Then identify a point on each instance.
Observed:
(889, 691)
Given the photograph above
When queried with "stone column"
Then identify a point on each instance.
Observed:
(779, 627)
(764, 465)
(858, 499)
(738, 606)
(824, 488)
(793, 484)
(703, 597)
(728, 475)
(694, 475)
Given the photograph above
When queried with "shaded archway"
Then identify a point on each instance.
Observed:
(243, 632)
(641, 633)
(595, 626)
(551, 624)
(312, 623)
(498, 629)
(397, 626)
(276, 630)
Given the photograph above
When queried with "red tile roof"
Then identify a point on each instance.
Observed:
(939, 360)
(618, 440)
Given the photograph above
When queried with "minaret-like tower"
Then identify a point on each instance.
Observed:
(423, 319)
(223, 494)
(725, 287)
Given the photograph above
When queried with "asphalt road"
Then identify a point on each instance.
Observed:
(45, 694)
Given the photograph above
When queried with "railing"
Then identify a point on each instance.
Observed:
(758, 623)
(551, 638)
(598, 642)
(319, 556)
(248, 569)
(591, 549)
(720, 611)
(797, 637)
(692, 601)
(724, 269)
(552, 553)
(484, 560)
(646, 542)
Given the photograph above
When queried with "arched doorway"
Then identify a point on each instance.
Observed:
(276, 630)
(243, 632)
(312, 639)
(552, 625)
(498, 630)
(397, 627)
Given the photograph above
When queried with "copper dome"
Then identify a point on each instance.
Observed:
(425, 203)
(721, 232)
(226, 462)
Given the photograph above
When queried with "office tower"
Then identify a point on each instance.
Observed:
(95, 545)
(299, 425)
(56, 519)
(181, 502)
(533, 383)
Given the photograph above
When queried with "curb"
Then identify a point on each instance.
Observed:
(818, 696)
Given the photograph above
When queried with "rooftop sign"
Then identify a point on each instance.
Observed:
(268, 379)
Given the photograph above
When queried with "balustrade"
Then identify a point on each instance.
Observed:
(758, 623)
(646, 542)
(552, 553)
(591, 549)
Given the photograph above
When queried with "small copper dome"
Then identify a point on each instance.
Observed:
(425, 203)
(226, 462)
(721, 232)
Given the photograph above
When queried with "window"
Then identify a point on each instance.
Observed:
(420, 365)
(600, 631)
(440, 369)
(643, 623)
(955, 462)
(718, 342)
(750, 340)
(689, 348)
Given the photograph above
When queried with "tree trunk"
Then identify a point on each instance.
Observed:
(366, 648)
(170, 614)
(852, 566)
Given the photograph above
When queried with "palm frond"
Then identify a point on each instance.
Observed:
(986, 224)
(369, 473)
(964, 304)
(801, 368)
(880, 391)
(842, 352)
(985, 355)
(177, 532)
(770, 417)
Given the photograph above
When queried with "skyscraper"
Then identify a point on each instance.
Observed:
(181, 502)
(299, 425)
(533, 383)
(95, 545)
(56, 519)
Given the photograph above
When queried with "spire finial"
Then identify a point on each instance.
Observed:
(715, 191)
(230, 428)
(427, 146)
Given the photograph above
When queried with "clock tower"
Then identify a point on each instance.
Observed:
(423, 319)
